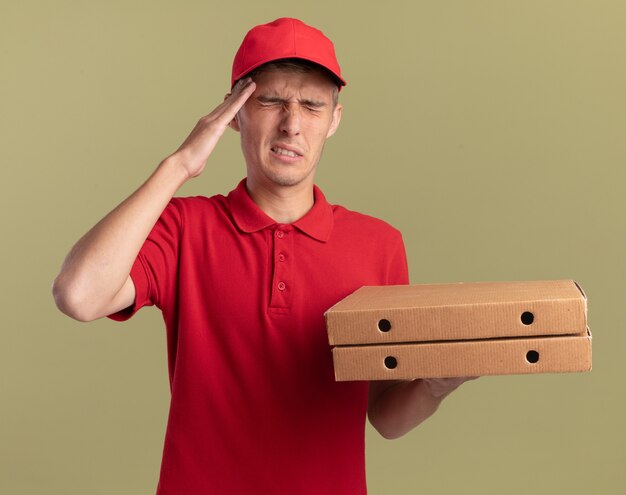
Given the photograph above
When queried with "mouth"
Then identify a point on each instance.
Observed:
(279, 150)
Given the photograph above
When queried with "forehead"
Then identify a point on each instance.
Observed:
(287, 83)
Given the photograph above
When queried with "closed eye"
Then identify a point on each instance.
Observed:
(313, 105)
(267, 101)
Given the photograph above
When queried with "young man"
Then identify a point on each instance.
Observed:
(243, 282)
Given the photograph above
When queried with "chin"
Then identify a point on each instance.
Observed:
(280, 178)
(286, 181)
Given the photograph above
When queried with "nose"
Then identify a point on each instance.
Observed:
(290, 122)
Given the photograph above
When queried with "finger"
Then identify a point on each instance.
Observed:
(241, 87)
(241, 92)
(237, 98)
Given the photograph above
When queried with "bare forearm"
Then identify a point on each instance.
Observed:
(396, 408)
(402, 407)
(99, 263)
(94, 279)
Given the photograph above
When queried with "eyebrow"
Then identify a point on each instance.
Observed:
(277, 99)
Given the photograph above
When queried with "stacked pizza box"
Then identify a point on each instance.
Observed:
(463, 329)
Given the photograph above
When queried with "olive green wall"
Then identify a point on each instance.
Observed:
(492, 133)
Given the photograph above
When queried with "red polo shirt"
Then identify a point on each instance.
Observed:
(255, 407)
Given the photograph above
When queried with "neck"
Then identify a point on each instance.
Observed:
(282, 204)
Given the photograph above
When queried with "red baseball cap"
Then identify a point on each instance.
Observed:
(284, 38)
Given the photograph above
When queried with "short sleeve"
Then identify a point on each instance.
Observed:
(154, 271)
(397, 268)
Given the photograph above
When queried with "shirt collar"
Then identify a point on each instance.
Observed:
(317, 223)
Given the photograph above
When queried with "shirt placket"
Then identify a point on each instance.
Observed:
(282, 276)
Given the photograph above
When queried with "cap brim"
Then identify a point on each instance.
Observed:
(340, 81)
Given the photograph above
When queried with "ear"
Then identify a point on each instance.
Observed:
(233, 124)
(336, 119)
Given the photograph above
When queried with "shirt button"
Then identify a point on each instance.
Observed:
(281, 286)
(280, 234)
(281, 257)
